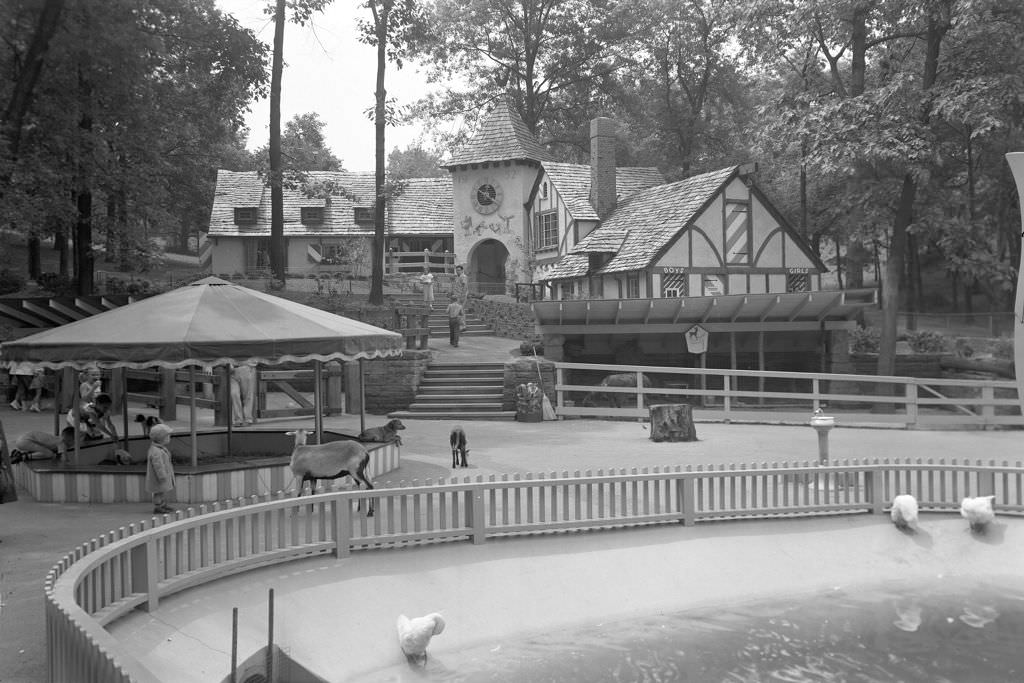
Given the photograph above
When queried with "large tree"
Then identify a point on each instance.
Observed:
(395, 28)
(555, 60)
(128, 100)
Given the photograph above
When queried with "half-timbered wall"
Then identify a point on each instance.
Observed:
(735, 246)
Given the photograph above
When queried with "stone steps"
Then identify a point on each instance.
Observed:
(437, 323)
(459, 391)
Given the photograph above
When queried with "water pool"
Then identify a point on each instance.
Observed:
(947, 630)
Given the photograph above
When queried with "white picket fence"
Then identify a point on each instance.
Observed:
(137, 566)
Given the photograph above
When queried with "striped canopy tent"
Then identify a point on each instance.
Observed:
(209, 323)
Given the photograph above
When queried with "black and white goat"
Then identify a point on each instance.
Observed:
(460, 450)
(147, 422)
(329, 461)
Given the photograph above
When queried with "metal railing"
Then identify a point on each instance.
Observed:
(139, 565)
(913, 401)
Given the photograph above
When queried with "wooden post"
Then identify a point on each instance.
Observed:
(168, 395)
(192, 414)
(335, 389)
(270, 637)
(672, 422)
(318, 401)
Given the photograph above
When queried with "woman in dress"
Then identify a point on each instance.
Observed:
(427, 280)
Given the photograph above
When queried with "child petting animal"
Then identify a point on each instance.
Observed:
(460, 451)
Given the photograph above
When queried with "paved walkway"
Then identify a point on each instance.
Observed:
(34, 536)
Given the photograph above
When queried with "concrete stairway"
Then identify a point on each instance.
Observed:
(459, 391)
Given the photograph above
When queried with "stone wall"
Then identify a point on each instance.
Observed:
(508, 318)
(391, 382)
(524, 370)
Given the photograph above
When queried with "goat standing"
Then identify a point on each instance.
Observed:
(460, 451)
(329, 461)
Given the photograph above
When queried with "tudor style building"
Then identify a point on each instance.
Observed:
(628, 264)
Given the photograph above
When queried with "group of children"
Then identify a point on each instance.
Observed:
(94, 422)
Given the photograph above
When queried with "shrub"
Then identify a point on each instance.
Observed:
(1003, 348)
(533, 345)
(57, 284)
(926, 341)
(10, 282)
(865, 340)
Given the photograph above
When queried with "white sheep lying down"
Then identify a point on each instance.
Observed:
(329, 461)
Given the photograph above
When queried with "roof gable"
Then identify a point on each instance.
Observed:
(502, 136)
(651, 219)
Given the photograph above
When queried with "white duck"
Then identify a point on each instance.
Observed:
(904, 512)
(978, 511)
(414, 635)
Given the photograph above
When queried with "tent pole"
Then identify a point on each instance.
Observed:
(226, 381)
(192, 413)
(76, 410)
(362, 399)
(124, 406)
(318, 399)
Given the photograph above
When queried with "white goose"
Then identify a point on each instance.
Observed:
(414, 635)
(978, 511)
(904, 512)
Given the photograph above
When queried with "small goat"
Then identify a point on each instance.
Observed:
(457, 439)
(329, 461)
(147, 422)
(385, 433)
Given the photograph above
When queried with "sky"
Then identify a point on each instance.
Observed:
(328, 71)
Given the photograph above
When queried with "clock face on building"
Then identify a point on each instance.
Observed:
(486, 196)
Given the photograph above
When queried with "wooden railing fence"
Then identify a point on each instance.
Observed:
(918, 401)
(137, 566)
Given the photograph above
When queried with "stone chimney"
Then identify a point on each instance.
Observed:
(602, 166)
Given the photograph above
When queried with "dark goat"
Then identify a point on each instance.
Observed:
(460, 451)
(614, 399)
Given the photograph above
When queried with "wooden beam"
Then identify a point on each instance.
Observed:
(768, 309)
(800, 306)
(707, 312)
(43, 312)
(586, 316)
(679, 310)
(833, 304)
(21, 316)
(669, 328)
(71, 313)
(650, 309)
(618, 313)
(739, 309)
(86, 306)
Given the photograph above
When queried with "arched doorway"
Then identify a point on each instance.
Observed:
(486, 267)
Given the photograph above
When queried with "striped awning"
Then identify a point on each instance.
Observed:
(733, 313)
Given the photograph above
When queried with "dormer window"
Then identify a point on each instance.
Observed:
(312, 215)
(245, 215)
(363, 215)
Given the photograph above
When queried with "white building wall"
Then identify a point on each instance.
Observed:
(228, 256)
(509, 224)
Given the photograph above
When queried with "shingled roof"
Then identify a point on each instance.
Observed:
(502, 136)
(642, 225)
(572, 181)
(424, 206)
